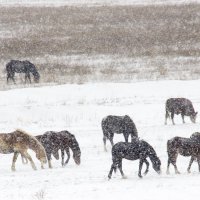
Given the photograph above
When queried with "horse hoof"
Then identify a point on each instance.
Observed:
(124, 177)
(140, 176)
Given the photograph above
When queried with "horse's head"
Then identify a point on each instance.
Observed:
(157, 165)
(76, 150)
(36, 77)
(41, 155)
(193, 117)
(77, 157)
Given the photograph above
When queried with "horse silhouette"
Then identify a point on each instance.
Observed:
(16, 66)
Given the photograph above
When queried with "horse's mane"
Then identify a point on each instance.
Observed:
(30, 137)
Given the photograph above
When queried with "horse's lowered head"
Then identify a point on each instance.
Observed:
(193, 117)
(76, 150)
(157, 165)
(41, 155)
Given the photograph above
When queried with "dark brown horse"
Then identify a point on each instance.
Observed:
(184, 147)
(179, 106)
(63, 140)
(18, 142)
(26, 67)
(118, 124)
(138, 149)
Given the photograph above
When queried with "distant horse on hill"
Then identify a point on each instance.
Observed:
(185, 147)
(118, 124)
(139, 149)
(16, 66)
(18, 142)
(63, 140)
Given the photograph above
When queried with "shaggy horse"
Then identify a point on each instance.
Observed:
(63, 140)
(185, 147)
(118, 124)
(179, 106)
(19, 142)
(138, 149)
(16, 66)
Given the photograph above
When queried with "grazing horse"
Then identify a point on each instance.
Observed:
(138, 149)
(118, 124)
(63, 140)
(184, 147)
(16, 66)
(19, 142)
(179, 106)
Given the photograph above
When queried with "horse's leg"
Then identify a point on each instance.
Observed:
(30, 159)
(166, 116)
(173, 161)
(104, 141)
(198, 161)
(120, 169)
(111, 138)
(172, 117)
(190, 164)
(62, 157)
(24, 158)
(126, 136)
(49, 159)
(29, 77)
(68, 155)
(113, 167)
(182, 115)
(140, 167)
(14, 160)
(168, 164)
(147, 169)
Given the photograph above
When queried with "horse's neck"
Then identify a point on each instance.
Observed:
(152, 154)
(33, 145)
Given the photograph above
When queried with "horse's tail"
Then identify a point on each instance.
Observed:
(9, 69)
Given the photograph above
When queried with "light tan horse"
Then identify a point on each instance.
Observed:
(18, 142)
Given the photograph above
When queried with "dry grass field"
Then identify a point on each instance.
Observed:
(105, 43)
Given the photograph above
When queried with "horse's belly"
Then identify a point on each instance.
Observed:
(132, 157)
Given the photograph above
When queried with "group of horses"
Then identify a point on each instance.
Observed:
(140, 149)
(18, 142)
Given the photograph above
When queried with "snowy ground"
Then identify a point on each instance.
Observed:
(79, 109)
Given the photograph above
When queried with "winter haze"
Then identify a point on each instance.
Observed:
(98, 58)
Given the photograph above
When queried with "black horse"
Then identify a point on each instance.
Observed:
(16, 66)
(185, 147)
(118, 124)
(138, 149)
(63, 140)
(179, 106)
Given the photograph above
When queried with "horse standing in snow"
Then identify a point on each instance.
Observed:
(18, 142)
(118, 124)
(185, 147)
(138, 149)
(179, 106)
(63, 140)
(16, 66)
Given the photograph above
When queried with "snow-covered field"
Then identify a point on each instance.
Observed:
(79, 109)
(92, 2)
